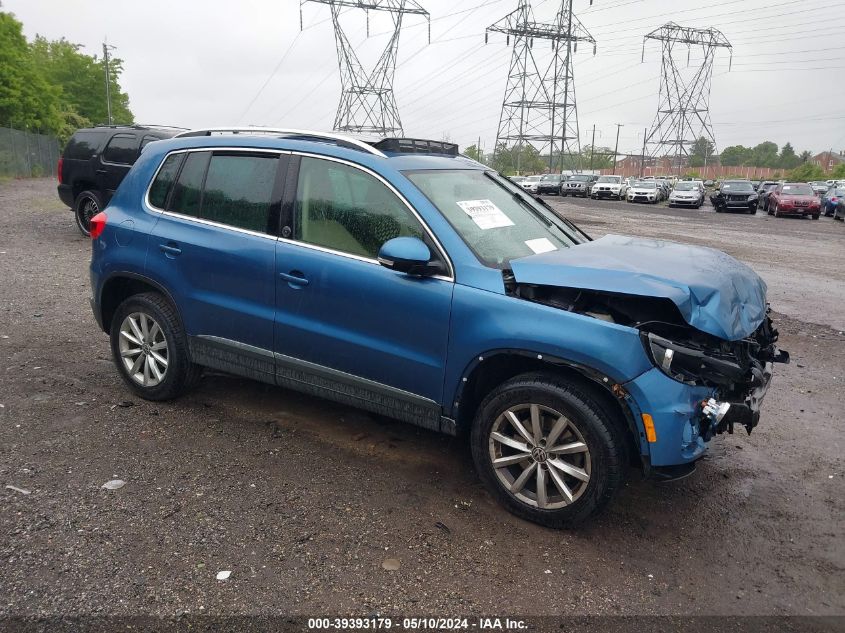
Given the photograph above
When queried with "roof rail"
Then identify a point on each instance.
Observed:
(340, 139)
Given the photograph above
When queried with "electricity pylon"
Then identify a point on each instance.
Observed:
(683, 111)
(367, 103)
(539, 107)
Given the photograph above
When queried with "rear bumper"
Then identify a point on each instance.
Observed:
(66, 194)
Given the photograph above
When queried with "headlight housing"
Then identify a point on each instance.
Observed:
(690, 365)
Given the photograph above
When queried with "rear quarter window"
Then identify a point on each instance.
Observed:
(164, 180)
(83, 145)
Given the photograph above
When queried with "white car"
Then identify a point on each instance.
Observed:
(609, 187)
(687, 193)
(531, 183)
(644, 191)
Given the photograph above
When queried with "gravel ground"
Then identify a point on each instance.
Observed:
(303, 501)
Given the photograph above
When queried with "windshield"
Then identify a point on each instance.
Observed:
(737, 187)
(613, 179)
(645, 184)
(798, 190)
(498, 221)
(686, 186)
(550, 177)
(579, 178)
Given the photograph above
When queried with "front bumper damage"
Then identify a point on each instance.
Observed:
(687, 414)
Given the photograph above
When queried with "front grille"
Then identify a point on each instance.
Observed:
(737, 198)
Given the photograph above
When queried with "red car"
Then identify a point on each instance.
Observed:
(794, 198)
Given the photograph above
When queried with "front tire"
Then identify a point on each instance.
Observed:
(86, 206)
(150, 348)
(547, 451)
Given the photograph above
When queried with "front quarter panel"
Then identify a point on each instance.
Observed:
(484, 322)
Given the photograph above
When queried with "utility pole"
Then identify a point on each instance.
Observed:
(592, 147)
(106, 48)
(642, 156)
(616, 149)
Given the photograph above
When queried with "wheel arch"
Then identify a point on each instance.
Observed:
(84, 185)
(120, 286)
(488, 371)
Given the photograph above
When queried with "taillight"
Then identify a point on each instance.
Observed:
(833, 199)
(98, 224)
(59, 168)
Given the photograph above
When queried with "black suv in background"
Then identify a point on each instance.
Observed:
(96, 160)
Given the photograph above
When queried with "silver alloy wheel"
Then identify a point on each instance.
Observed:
(539, 456)
(143, 349)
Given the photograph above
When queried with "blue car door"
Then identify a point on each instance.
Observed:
(214, 249)
(347, 327)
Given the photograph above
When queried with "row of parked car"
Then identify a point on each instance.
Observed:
(689, 193)
(775, 197)
(819, 197)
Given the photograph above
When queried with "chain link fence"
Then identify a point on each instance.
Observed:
(27, 154)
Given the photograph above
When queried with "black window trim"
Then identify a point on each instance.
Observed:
(277, 187)
(114, 136)
(290, 196)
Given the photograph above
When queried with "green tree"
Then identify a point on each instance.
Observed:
(701, 152)
(788, 159)
(806, 173)
(474, 153)
(838, 172)
(522, 159)
(806, 155)
(27, 99)
(602, 157)
(735, 155)
(82, 80)
(764, 155)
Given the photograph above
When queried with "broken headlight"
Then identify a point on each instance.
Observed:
(691, 365)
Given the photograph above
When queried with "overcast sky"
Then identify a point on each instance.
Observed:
(213, 62)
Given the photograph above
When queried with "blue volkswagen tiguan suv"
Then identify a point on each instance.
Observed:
(405, 279)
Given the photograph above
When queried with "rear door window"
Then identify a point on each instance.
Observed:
(186, 198)
(239, 190)
(84, 144)
(121, 150)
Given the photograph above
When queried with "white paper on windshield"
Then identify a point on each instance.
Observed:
(485, 214)
(540, 245)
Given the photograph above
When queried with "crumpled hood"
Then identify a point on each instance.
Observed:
(714, 292)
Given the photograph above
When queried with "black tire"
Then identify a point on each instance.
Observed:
(815, 216)
(752, 211)
(605, 442)
(87, 204)
(774, 211)
(181, 374)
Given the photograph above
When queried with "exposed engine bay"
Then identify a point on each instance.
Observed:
(739, 371)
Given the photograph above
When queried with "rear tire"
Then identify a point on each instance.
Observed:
(533, 480)
(150, 348)
(87, 204)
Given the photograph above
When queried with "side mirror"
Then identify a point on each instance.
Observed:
(406, 255)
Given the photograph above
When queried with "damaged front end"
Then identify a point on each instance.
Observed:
(735, 373)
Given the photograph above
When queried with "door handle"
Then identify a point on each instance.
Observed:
(170, 250)
(294, 279)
